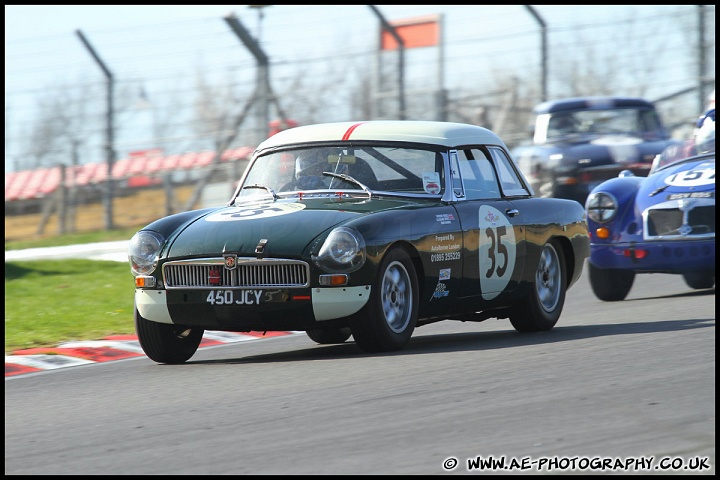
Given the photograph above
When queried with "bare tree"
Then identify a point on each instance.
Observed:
(214, 109)
(62, 121)
(584, 66)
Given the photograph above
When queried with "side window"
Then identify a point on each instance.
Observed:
(478, 175)
(509, 179)
(455, 178)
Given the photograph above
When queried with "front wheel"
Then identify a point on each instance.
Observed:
(699, 280)
(326, 336)
(610, 284)
(388, 320)
(541, 310)
(165, 343)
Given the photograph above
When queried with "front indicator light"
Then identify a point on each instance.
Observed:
(144, 282)
(603, 233)
(336, 280)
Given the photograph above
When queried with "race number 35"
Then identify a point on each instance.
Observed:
(497, 251)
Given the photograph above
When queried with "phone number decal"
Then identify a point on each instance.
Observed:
(442, 257)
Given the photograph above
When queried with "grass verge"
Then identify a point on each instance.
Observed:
(74, 238)
(50, 302)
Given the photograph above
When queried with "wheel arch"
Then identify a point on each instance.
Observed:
(414, 254)
(566, 250)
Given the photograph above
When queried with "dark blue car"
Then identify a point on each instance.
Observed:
(580, 142)
(662, 223)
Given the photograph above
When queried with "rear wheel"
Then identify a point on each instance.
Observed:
(325, 336)
(543, 306)
(699, 280)
(388, 320)
(610, 284)
(165, 343)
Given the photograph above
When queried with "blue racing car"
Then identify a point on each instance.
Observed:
(662, 223)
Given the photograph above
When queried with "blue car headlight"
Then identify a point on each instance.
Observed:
(601, 207)
(342, 252)
(143, 251)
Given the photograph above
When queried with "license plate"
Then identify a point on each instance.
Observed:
(234, 297)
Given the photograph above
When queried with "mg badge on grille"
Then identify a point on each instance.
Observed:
(230, 261)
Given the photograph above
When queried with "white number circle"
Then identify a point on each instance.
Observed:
(255, 211)
(703, 174)
(497, 250)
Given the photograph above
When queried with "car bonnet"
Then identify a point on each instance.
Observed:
(694, 179)
(287, 226)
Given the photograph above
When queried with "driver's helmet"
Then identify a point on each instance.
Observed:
(310, 163)
(705, 133)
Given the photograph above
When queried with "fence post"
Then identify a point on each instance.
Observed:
(62, 200)
(169, 196)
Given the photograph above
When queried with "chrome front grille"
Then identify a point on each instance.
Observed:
(680, 219)
(249, 273)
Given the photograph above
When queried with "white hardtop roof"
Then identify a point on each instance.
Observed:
(448, 134)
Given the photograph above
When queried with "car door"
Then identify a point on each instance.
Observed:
(492, 227)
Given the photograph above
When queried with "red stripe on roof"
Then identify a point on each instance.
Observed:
(351, 130)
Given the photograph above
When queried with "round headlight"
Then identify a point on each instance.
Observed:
(143, 251)
(601, 207)
(342, 251)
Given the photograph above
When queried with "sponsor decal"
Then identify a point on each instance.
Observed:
(443, 257)
(491, 217)
(444, 274)
(444, 218)
(440, 291)
(446, 246)
(678, 196)
(431, 182)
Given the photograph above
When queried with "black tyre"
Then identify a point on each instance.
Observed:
(610, 284)
(700, 280)
(543, 306)
(326, 336)
(165, 343)
(388, 320)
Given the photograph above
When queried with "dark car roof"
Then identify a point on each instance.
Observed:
(588, 103)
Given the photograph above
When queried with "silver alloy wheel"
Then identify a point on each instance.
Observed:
(548, 278)
(396, 297)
